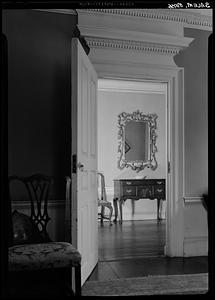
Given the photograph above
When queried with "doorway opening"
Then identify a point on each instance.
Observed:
(141, 233)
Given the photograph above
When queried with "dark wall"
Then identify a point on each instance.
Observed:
(39, 91)
(5, 221)
(194, 60)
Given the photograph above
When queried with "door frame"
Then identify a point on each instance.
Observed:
(173, 77)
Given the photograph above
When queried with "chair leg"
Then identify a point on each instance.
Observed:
(69, 291)
(102, 213)
(115, 204)
(111, 212)
(78, 280)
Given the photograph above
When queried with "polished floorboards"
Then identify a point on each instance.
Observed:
(131, 239)
(136, 249)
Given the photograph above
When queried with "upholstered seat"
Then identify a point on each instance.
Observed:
(43, 256)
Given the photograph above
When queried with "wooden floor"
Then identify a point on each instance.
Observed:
(136, 249)
(131, 239)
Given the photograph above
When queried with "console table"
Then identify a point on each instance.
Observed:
(136, 189)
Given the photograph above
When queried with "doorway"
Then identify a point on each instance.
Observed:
(173, 78)
(116, 96)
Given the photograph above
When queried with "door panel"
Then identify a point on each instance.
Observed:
(84, 145)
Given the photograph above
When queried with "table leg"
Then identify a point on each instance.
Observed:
(111, 212)
(158, 209)
(120, 209)
(115, 204)
(132, 206)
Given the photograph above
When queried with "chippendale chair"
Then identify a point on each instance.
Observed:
(34, 260)
(102, 199)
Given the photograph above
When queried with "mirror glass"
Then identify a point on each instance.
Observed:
(137, 140)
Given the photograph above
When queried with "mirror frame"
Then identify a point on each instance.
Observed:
(137, 116)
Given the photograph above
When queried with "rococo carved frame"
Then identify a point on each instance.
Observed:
(137, 116)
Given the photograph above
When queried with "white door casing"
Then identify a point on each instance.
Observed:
(84, 159)
(173, 77)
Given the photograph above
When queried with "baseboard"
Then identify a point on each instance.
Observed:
(195, 227)
(196, 246)
(139, 217)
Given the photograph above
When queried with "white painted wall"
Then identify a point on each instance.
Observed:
(110, 105)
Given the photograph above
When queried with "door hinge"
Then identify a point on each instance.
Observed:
(168, 166)
(74, 163)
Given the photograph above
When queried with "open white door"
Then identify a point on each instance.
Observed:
(84, 159)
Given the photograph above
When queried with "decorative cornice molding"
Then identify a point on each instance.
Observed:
(187, 18)
(132, 45)
(136, 36)
(60, 11)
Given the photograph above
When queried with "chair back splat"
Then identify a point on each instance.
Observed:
(38, 187)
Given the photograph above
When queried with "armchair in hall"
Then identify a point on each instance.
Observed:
(38, 266)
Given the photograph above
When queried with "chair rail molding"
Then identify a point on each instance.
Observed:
(23, 204)
(192, 200)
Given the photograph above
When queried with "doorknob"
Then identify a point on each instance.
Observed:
(80, 166)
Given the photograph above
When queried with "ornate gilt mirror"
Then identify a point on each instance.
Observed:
(137, 140)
